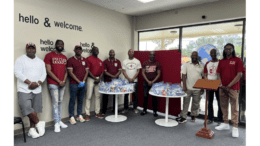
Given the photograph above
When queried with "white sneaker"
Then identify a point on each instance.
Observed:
(222, 126)
(80, 118)
(72, 121)
(32, 132)
(57, 127)
(235, 132)
(62, 125)
(41, 127)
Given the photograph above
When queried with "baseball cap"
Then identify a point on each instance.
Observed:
(30, 45)
(77, 46)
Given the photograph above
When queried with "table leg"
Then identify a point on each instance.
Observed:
(166, 122)
(116, 106)
(167, 110)
(116, 117)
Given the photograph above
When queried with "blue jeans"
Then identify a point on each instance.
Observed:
(210, 106)
(56, 96)
(75, 92)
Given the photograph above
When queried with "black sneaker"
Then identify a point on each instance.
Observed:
(178, 119)
(183, 120)
(209, 121)
(155, 114)
(143, 113)
(193, 119)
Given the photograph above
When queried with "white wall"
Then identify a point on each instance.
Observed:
(106, 28)
(215, 11)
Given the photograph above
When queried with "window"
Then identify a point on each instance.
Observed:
(159, 40)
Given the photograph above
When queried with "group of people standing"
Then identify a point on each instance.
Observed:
(86, 73)
(229, 71)
(85, 76)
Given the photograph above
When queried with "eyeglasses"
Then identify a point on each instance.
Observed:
(78, 49)
(229, 49)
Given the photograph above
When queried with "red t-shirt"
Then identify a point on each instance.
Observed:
(78, 67)
(151, 69)
(96, 66)
(228, 69)
(111, 67)
(58, 65)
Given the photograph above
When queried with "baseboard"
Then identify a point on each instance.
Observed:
(51, 123)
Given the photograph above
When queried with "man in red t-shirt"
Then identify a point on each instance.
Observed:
(113, 69)
(55, 63)
(78, 70)
(151, 71)
(229, 71)
(96, 70)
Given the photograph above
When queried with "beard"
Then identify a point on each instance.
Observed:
(95, 54)
(58, 49)
(30, 54)
(112, 56)
(194, 60)
(229, 54)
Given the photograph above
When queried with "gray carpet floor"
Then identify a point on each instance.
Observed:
(135, 131)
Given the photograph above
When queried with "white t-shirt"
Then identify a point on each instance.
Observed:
(131, 66)
(194, 72)
(31, 69)
(211, 69)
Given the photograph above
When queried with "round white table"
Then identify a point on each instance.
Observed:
(167, 122)
(116, 117)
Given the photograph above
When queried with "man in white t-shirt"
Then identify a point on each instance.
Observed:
(30, 73)
(131, 68)
(210, 73)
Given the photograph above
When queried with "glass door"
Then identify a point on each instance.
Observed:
(202, 39)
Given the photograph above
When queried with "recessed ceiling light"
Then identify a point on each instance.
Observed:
(145, 1)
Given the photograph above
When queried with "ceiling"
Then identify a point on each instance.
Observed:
(136, 8)
(196, 31)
